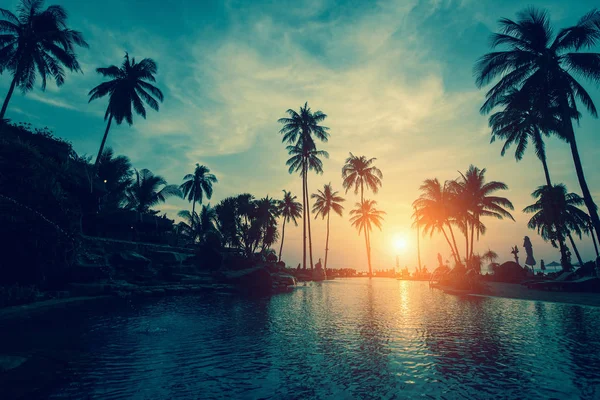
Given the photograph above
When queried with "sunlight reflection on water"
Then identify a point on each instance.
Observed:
(350, 338)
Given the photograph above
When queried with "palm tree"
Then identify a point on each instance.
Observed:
(474, 200)
(298, 130)
(290, 210)
(267, 212)
(434, 211)
(523, 120)
(115, 173)
(556, 214)
(196, 226)
(360, 171)
(148, 190)
(36, 41)
(197, 185)
(327, 200)
(536, 60)
(303, 159)
(363, 217)
(128, 88)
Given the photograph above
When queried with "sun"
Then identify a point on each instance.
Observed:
(400, 243)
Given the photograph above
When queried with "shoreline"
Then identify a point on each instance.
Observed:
(517, 291)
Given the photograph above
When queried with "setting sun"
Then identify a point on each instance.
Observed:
(400, 243)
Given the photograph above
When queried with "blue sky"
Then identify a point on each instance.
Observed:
(395, 78)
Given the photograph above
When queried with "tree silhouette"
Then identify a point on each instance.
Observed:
(536, 60)
(197, 226)
(148, 190)
(36, 41)
(363, 217)
(555, 216)
(327, 200)
(474, 200)
(290, 210)
(115, 174)
(298, 130)
(434, 210)
(198, 185)
(358, 172)
(127, 91)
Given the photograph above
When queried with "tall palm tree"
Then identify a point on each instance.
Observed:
(474, 199)
(305, 158)
(128, 88)
(298, 130)
(290, 210)
(36, 41)
(358, 172)
(363, 217)
(198, 185)
(434, 211)
(556, 215)
(534, 59)
(148, 190)
(327, 200)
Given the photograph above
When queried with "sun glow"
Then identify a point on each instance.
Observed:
(400, 243)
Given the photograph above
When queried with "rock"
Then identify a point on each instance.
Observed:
(88, 289)
(130, 259)
(167, 257)
(10, 362)
(283, 279)
(255, 280)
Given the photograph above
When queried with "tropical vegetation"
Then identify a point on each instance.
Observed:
(327, 200)
(290, 210)
(364, 217)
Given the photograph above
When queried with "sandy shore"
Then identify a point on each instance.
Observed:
(516, 291)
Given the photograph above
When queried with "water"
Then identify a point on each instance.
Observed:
(341, 339)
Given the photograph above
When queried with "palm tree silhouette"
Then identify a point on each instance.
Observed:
(148, 190)
(327, 200)
(196, 226)
(536, 60)
(363, 217)
(434, 209)
(290, 210)
(36, 41)
(556, 215)
(197, 185)
(298, 130)
(474, 200)
(115, 173)
(129, 85)
(358, 172)
(523, 120)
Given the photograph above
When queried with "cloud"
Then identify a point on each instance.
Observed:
(51, 101)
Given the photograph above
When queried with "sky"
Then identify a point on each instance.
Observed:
(394, 77)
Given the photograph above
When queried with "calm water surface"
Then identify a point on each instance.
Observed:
(351, 338)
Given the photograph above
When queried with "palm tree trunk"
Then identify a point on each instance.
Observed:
(575, 249)
(103, 142)
(546, 172)
(467, 241)
(594, 240)
(418, 245)
(308, 220)
(192, 222)
(455, 249)
(564, 260)
(282, 237)
(368, 253)
(327, 242)
(587, 196)
(472, 240)
(456, 259)
(303, 218)
(11, 89)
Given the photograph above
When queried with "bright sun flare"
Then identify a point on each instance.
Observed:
(400, 243)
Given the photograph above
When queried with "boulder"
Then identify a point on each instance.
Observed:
(280, 278)
(130, 259)
(167, 257)
(510, 272)
(255, 280)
